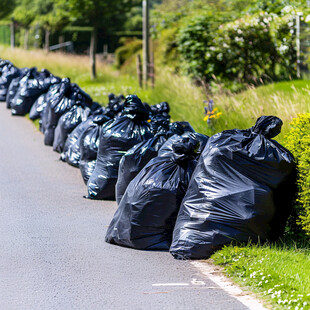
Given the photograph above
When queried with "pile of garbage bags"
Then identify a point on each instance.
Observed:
(176, 189)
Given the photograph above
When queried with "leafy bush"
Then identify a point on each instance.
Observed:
(298, 142)
(129, 48)
(248, 50)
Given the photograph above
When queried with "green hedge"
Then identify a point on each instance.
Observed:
(251, 49)
(298, 142)
(5, 33)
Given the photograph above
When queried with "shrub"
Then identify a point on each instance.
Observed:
(298, 142)
(248, 50)
(129, 48)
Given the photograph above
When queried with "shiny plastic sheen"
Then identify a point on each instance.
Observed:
(66, 124)
(88, 145)
(147, 212)
(64, 96)
(14, 85)
(116, 139)
(31, 86)
(242, 189)
(8, 73)
(138, 156)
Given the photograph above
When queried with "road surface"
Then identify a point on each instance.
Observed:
(52, 250)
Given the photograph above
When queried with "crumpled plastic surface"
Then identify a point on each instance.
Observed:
(14, 85)
(161, 108)
(71, 153)
(137, 157)
(147, 212)
(167, 146)
(40, 104)
(89, 143)
(116, 139)
(116, 104)
(8, 73)
(242, 189)
(63, 97)
(66, 124)
(31, 86)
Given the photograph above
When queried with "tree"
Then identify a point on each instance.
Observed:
(49, 14)
(24, 14)
(52, 16)
(95, 13)
(7, 7)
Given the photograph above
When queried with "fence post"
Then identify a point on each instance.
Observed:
(12, 33)
(139, 71)
(145, 40)
(152, 70)
(298, 43)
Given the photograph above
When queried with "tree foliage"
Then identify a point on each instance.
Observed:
(7, 7)
(231, 41)
(248, 49)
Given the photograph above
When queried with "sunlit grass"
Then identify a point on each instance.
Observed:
(279, 273)
(284, 100)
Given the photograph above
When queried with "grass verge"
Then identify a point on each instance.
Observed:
(279, 273)
(284, 100)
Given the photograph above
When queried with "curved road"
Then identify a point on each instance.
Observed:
(52, 249)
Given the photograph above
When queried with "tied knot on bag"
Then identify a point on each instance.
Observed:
(135, 109)
(186, 149)
(175, 129)
(65, 87)
(268, 126)
(159, 124)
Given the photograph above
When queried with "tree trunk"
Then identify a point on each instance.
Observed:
(92, 52)
(47, 40)
(26, 36)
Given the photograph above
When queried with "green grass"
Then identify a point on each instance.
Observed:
(284, 100)
(281, 271)
(278, 273)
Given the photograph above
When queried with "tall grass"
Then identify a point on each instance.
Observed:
(284, 100)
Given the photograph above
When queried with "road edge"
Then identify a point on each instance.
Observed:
(215, 274)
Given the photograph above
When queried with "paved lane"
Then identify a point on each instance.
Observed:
(52, 249)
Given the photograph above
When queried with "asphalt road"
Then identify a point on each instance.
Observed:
(52, 249)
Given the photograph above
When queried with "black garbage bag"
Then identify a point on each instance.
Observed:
(138, 156)
(242, 189)
(116, 139)
(147, 212)
(14, 85)
(66, 124)
(32, 85)
(161, 108)
(187, 126)
(9, 73)
(40, 104)
(167, 146)
(38, 107)
(3, 64)
(116, 104)
(89, 143)
(148, 108)
(63, 98)
(44, 116)
(72, 152)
